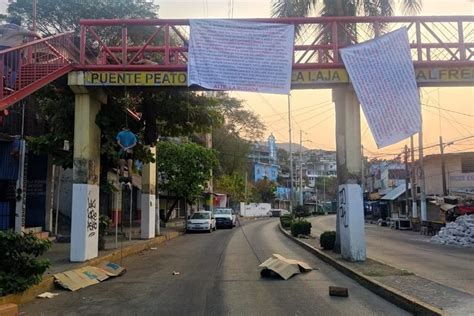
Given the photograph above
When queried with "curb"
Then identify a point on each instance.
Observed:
(47, 284)
(402, 300)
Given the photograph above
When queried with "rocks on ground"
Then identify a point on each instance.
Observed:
(458, 233)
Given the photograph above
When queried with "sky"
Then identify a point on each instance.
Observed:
(313, 110)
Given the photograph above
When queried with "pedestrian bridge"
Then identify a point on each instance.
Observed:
(153, 52)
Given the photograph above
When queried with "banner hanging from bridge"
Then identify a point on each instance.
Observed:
(383, 76)
(243, 56)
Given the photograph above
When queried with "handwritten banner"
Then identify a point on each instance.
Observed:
(382, 73)
(243, 56)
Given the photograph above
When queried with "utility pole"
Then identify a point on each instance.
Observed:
(246, 186)
(422, 177)
(291, 155)
(407, 179)
(414, 207)
(443, 165)
(324, 191)
(301, 167)
(362, 168)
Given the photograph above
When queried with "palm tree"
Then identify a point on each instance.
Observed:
(304, 8)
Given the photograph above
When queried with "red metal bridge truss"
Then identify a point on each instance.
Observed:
(161, 45)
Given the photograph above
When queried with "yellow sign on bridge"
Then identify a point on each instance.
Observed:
(301, 79)
(131, 78)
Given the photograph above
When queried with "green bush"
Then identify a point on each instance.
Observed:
(286, 221)
(19, 266)
(327, 240)
(300, 227)
(301, 211)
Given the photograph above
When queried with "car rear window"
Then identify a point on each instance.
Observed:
(223, 211)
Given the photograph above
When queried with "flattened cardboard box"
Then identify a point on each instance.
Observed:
(285, 267)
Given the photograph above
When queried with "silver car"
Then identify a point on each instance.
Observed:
(201, 221)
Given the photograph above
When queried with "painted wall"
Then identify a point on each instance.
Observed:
(265, 170)
(455, 178)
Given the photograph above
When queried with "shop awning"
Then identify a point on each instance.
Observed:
(395, 193)
(446, 207)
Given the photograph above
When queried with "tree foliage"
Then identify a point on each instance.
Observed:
(53, 16)
(301, 8)
(232, 140)
(19, 266)
(234, 185)
(56, 110)
(184, 168)
(264, 191)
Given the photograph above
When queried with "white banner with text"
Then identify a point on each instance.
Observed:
(240, 56)
(383, 76)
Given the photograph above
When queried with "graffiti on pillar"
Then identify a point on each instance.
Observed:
(343, 207)
(92, 216)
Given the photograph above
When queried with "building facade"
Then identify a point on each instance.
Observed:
(459, 170)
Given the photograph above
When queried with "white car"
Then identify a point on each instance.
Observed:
(225, 217)
(202, 220)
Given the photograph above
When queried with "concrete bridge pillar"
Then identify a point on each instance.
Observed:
(86, 170)
(350, 214)
(148, 199)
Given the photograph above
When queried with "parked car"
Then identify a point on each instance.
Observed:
(277, 212)
(225, 217)
(201, 221)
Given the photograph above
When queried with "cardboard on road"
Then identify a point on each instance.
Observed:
(285, 267)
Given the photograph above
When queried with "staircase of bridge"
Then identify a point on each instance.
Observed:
(442, 50)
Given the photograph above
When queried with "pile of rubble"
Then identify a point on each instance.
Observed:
(459, 233)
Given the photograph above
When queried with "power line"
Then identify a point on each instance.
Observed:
(312, 106)
(446, 110)
(301, 114)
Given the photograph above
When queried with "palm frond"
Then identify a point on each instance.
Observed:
(411, 7)
(293, 8)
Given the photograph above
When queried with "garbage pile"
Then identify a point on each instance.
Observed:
(458, 233)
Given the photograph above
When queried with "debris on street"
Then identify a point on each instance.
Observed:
(458, 233)
(175, 273)
(278, 265)
(48, 295)
(74, 280)
(338, 291)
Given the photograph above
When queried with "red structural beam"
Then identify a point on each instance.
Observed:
(294, 20)
(442, 41)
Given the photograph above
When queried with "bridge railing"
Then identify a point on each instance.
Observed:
(162, 44)
(34, 62)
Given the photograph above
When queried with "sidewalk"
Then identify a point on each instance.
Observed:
(58, 255)
(59, 258)
(448, 265)
(450, 300)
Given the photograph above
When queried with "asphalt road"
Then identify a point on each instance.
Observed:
(219, 275)
(449, 265)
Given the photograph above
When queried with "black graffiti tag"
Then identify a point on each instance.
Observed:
(91, 217)
(343, 206)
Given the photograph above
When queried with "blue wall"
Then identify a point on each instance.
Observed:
(265, 170)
